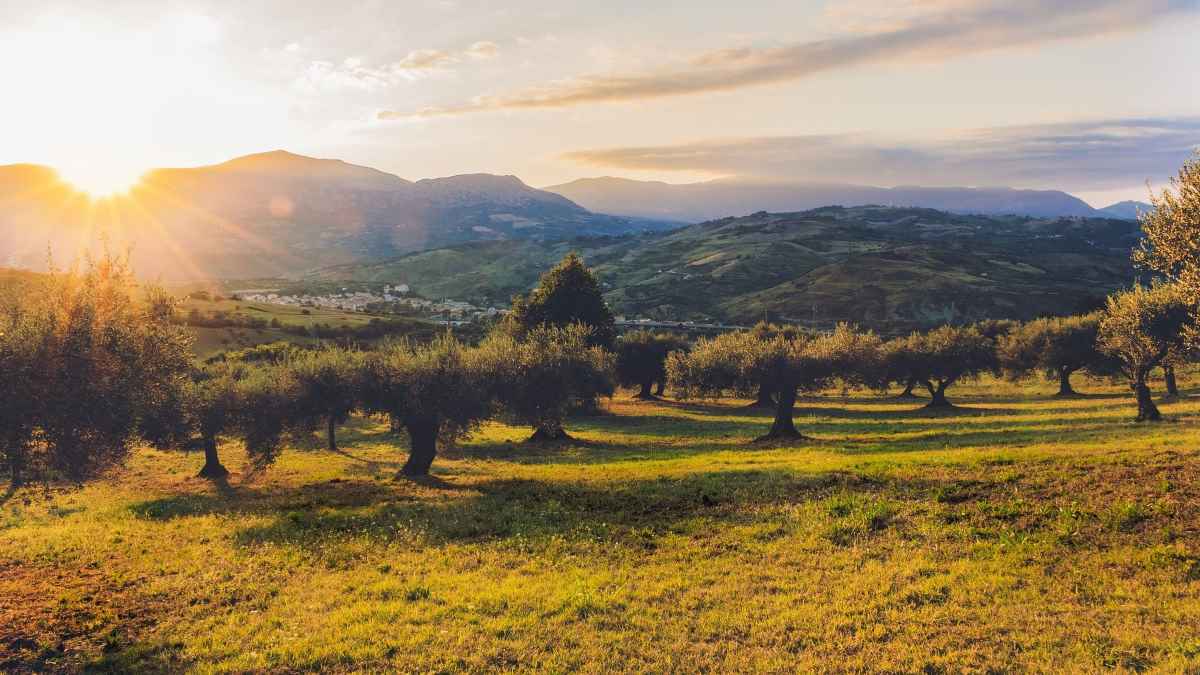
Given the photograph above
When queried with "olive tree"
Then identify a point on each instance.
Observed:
(641, 359)
(899, 364)
(944, 356)
(85, 357)
(1141, 328)
(1171, 234)
(329, 382)
(439, 391)
(739, 363)
(549, 373)
(1056, 346)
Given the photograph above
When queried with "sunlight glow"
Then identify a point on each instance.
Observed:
(100, 182)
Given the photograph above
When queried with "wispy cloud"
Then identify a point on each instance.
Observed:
(357, 73)
(1085, 155)
(934, 29)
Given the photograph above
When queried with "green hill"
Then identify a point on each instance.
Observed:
(888, 267)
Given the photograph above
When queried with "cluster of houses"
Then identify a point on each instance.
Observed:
(391, 298)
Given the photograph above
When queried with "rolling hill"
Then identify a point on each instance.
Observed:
(695, 202)
(277, 213)
(892, 268)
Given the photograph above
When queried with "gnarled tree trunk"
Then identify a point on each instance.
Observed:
(549, 431)
(422, 437)
(764, 398)
(1147, 411)
(1064, 383)
(661, 388)
(1169, 379)
(908, 389)
(783, 428)
(645, 393)
(213, 469)
(938, 394)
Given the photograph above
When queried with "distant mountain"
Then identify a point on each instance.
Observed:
(278, 213)
(893, 269)
(1127, 210)
(697, 202)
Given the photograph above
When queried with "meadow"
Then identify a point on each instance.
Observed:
(1018, 531)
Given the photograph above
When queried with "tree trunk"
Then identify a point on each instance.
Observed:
(1064, 383)
(332, 434)
(937, 395)
(908, 389)
(763, 399)
(783, 428)
(661, 388)
(1169, 379)
(549, 432)
(422, 437)
(645, 393)
(15, 475)
(213, 469)
(1147, 411)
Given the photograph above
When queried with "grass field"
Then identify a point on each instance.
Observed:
(1018, 532)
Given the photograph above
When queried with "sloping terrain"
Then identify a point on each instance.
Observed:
(277, 213)
(884, 267)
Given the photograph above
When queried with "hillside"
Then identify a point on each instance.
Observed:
(887, 267)
(278, 213)
(1128, 209)
(695, 202)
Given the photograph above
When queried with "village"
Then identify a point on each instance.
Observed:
(400, 299)
(391, 299)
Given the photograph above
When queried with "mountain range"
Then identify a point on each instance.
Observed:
(281, 214)
(697, 202)
(889, 268)
(277, 213)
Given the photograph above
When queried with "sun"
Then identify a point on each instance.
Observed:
(101, 182)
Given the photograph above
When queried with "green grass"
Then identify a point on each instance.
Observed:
(1018, 532)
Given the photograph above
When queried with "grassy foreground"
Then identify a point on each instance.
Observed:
(1019, 532)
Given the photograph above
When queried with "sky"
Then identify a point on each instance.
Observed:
(1097, 97)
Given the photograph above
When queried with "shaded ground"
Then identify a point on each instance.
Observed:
(1017, 532)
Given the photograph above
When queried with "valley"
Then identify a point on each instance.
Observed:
(890, 268)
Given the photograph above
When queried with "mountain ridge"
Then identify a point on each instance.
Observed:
(278, 213)
(708, 200)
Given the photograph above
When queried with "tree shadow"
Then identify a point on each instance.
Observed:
(626, 512)
(248, 500)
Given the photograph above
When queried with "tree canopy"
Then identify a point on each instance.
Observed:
(1056, 346)
(1171, 233)
(940, 357)
(641, 359)
(786, 364)
(1141, 328)
(439, 391)
(567, 294)
(549, 373)
(86, 358)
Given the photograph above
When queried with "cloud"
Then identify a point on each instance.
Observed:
(425, 59)
(356, 73)
(1094, 155)
(932, 30)
(483, 50)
